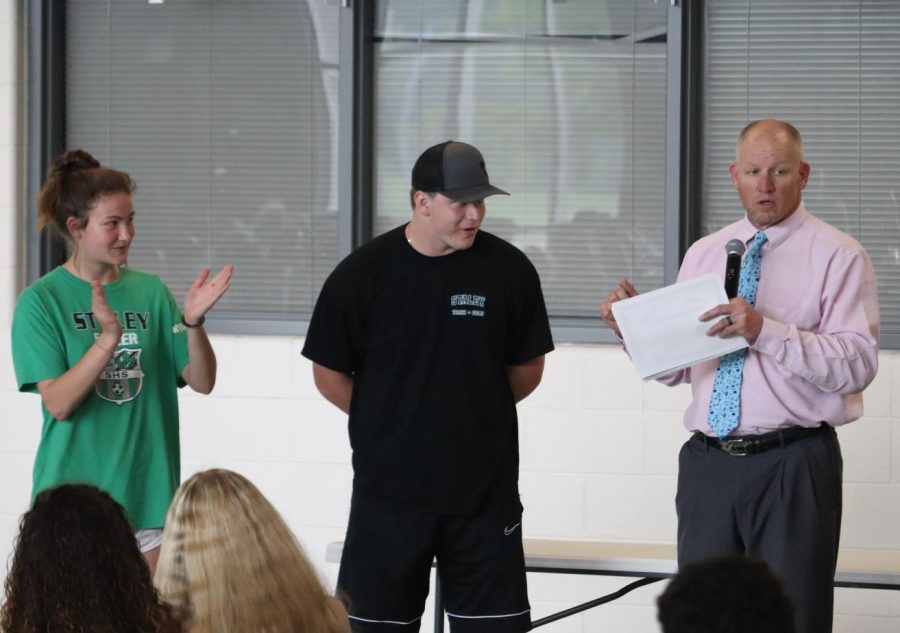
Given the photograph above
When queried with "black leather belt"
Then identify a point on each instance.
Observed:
(743, 445)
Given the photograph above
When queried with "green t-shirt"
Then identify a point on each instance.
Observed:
(123, 437)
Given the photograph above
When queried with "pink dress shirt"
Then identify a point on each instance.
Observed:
(818, 348)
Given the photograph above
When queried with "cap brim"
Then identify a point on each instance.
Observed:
(468, 194)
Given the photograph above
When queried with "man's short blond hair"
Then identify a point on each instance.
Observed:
(793, 134)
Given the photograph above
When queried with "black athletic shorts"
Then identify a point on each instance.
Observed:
(386, 566)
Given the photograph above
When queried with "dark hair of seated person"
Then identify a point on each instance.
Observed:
(733, 594)
(77, 567)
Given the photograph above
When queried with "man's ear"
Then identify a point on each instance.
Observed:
(422, 202)
(804, 174)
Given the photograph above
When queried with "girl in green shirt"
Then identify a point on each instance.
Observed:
(106, 347)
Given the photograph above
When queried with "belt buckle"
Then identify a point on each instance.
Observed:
(736, 447)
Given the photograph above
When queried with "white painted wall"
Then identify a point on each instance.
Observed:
(598, 446)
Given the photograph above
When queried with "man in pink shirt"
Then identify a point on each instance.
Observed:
(771, 487)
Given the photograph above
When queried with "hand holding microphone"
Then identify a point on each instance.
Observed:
(740, 319)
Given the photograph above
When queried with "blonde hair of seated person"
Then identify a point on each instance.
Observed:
(230, 564)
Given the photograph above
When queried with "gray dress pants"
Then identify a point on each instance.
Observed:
(782, 506)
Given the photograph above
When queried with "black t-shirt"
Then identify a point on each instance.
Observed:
(427, 339)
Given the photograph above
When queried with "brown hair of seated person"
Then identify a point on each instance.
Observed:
(230, 564)
(77, 567)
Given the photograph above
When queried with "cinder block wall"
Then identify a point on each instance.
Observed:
(598, 446)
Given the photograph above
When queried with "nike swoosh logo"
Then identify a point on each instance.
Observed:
(510, 530)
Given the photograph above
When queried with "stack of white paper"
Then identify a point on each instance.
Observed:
(662, 331)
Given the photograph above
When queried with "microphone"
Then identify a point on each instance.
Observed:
(734, 249)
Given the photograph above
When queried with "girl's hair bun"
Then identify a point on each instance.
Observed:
(73, 160)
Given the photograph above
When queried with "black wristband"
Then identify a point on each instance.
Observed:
(193, 326)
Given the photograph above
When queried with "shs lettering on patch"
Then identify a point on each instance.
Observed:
(467, 305)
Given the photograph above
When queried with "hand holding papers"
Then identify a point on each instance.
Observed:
(662, 331)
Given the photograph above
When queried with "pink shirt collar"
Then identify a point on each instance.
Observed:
(777, 233)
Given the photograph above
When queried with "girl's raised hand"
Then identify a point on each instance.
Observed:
(103, 314)
(205, 292)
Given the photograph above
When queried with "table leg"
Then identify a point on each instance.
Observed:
(438, 605)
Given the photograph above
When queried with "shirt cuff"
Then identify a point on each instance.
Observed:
(771, 337)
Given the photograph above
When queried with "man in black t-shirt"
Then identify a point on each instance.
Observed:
(427, 337)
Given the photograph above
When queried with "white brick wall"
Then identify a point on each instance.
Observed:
(598, 446)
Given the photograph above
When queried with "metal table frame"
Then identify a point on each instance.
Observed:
(650, 563)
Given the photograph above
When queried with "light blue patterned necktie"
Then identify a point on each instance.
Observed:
(725, 401)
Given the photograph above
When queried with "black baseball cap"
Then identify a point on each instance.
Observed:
(455, 170)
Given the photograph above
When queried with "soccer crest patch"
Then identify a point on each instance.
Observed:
(122, 378)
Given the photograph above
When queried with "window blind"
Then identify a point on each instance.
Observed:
(225, 114)
(832, 68)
